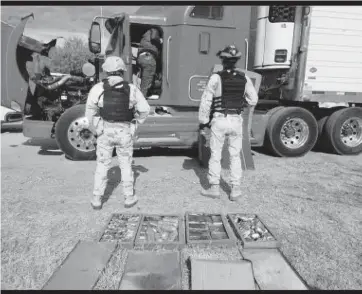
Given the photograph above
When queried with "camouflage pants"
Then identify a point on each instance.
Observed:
(110, 136)
(147, 63)
(221, 126)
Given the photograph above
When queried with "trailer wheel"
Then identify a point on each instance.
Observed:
(73, 138)
(291, 132)
(343, 131)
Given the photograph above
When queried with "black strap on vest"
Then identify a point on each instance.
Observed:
(116, 102)
(232, 99)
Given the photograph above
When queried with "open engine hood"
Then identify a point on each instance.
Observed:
(16, 50)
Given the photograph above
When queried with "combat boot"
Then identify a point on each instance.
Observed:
(96, 202)
(212, 192)
(130, 200)
(235, 193)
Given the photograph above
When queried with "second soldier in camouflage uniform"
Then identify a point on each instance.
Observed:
(223, 100)
(114, 107)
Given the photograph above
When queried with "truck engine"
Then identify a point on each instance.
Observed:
(50, 95)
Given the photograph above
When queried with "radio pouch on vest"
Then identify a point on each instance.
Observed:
(116, 102)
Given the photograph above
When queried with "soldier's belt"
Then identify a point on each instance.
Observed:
(230, 111)
(115, 121)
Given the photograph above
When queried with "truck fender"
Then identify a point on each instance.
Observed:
(259, 125)
(274, 110)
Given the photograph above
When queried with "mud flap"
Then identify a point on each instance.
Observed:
(37, 128)
(247, 161)
(14, 87)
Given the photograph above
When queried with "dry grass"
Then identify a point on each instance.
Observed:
(112, 275)
(312, 204)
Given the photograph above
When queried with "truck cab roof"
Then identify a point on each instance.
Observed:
(184, 15)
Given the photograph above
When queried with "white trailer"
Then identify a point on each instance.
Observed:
(311, 58)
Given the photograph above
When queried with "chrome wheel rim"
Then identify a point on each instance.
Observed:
(80, 137)
(294, 133)
(351, 132)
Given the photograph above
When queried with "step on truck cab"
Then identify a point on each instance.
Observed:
(309, 87)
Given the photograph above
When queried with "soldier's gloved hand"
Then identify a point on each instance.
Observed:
(94, 132)
(92, 129)
(204, 126)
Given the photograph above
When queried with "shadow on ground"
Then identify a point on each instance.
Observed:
(114, 179)
(164, 152)
(201, 173)
(47, 146)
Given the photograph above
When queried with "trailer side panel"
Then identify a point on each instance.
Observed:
(334, 59)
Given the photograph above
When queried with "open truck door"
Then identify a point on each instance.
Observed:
(14, 87)
(119, 43)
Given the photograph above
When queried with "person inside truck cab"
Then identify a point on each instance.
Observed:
(222, 102)
(148, 57)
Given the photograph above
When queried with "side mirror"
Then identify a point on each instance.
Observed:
(94, 39)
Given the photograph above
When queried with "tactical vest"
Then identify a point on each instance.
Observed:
(232, 99)
(116, 102)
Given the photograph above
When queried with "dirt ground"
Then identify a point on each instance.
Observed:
(312, 204)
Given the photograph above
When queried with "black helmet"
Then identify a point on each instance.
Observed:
(229, 52)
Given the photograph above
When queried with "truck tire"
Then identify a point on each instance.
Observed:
(76, 141)
(343, 131)
(291, 132)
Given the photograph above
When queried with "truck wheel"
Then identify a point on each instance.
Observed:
(343, 131)
(291, 132)
(75, 140)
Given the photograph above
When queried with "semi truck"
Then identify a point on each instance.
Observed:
(305, 62)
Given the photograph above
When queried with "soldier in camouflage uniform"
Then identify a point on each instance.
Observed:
(223, 100)
(114, 107)
(148, 58)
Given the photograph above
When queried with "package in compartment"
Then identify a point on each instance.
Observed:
(198, 226)
(159, 229)
(216, 219)
(196, 218)
(219, 235)
(251, 228)
(217, 228)
(199, 236)
(121, 228)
